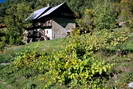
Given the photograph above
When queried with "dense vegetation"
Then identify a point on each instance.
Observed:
(94, 56)
(75, 65)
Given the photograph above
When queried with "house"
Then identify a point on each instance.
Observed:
(50, 23)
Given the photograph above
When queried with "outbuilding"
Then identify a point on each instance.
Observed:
(50, 23)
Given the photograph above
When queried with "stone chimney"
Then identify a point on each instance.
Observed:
(48, 5)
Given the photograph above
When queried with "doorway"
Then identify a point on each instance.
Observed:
(48, 33)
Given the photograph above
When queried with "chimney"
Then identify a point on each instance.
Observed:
(48, 5)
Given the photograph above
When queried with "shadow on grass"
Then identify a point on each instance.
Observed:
(120, 52)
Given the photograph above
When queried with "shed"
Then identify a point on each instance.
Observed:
(50, 23)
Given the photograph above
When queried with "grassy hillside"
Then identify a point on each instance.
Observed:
(8, 54)
(98, 54)
(13, 78)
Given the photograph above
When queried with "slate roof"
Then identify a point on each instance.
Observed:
(43, 12)
(51, 10)
(37, 13)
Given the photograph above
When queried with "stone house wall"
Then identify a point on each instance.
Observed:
(61, 27)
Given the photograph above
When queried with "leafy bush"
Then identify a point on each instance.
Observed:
(101, 16)
(86, 23)
(75, 66)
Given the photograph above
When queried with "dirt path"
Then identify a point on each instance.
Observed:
(4, 64)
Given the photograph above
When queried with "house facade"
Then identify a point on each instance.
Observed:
(50, 23)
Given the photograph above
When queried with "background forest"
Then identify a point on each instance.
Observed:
(98, 54)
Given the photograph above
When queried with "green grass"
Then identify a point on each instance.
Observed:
(50, 45)
(5, 85)
(15, 79)
(128, 45)
(123, 72)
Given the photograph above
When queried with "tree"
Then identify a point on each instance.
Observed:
(14, 19)
(105, 18)
(86, 23)
(126, 14)
(100, 16)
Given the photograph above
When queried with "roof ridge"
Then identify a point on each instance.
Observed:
(44, 12)
(52, 9)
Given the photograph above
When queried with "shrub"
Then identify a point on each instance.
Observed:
(105, 17)
(2, 43)
(101, 16)
(76, 64)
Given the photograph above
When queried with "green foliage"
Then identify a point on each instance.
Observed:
(87, 22)
(105, 17)
(2, 39)
(26, 58)
(72, 71)
(14, 20)
(126, 13)
(75, 65)
(95, 15)
(2, 43)
(100, 16)
(64, 69)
